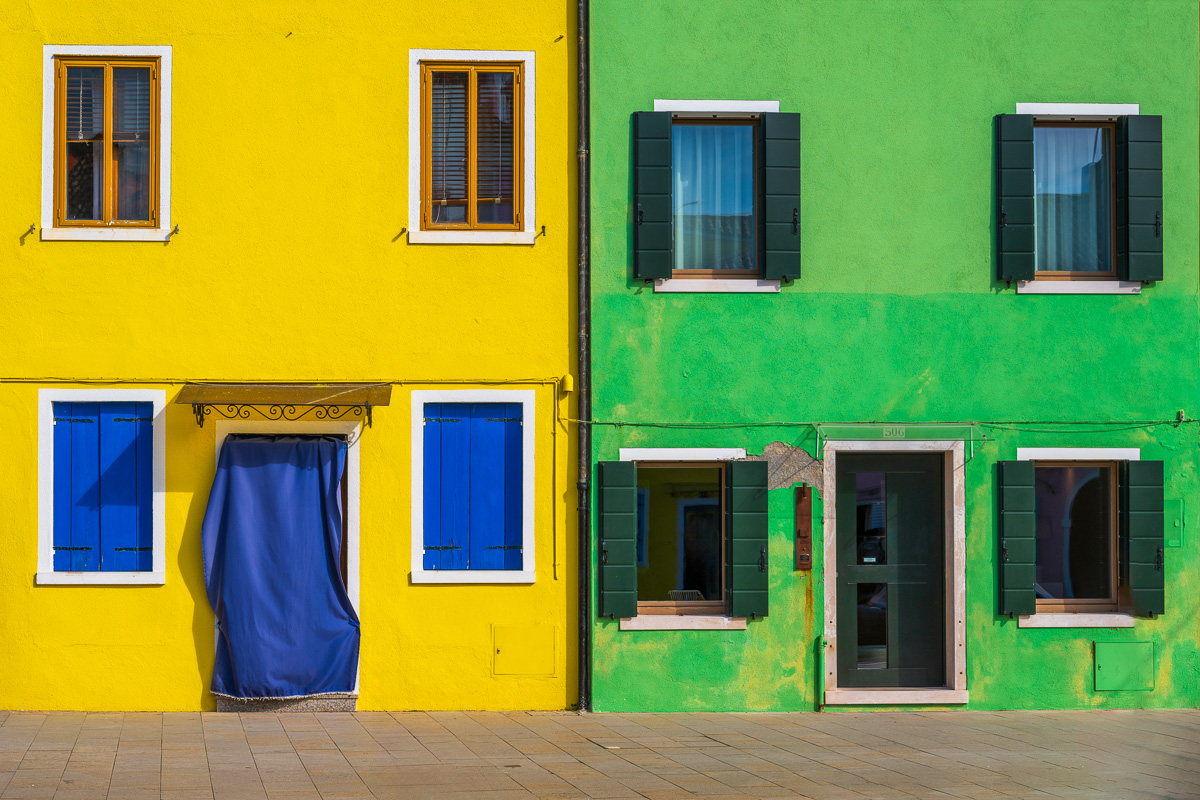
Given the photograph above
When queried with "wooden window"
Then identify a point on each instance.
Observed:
(471, 133)
(1076, 513)
(685, 538)
(103, 487)
(1075, 191)
(106, 142)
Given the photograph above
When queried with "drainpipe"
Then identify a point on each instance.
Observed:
(585, 366)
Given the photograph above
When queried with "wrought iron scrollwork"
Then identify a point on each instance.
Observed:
(280, 411)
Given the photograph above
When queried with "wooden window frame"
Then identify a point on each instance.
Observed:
(1090, 605)
(691, 607)
(108, 183)
(753, 123)
(473, 68)
(1084, 275)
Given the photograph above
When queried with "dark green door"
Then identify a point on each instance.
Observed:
(891, 568)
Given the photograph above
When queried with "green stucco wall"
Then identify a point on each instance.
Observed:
(897, 317)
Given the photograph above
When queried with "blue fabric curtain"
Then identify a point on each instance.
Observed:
(272, 540)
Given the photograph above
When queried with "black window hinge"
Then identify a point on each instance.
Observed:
(1157, 224)
(502, 419)
(132, 549)
(1003, 217)
(445, 547)
(73, 549)
(504, 547)
(1158, 561)
(795, 222)
(603, 552)
(762, 559)
(441, 419)
(133, 419)
(1004, 554)
(73, 419)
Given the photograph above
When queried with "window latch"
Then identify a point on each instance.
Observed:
(1158, 561)
(639, 214)
(1157, 224)
(795, 222)
(762, 559)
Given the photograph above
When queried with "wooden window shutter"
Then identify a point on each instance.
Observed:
(1014, 198)
(124, 486)
(1141, 521)
(618, 539)
(76, 487)
(780, 223)
(746, 538)
(1018, 538)
(653, 236)
(1139, 198)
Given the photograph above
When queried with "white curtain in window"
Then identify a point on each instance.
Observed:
(1074, 212)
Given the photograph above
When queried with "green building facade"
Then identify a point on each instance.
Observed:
(914, 282)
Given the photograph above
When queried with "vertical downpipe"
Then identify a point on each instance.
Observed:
(585, 363)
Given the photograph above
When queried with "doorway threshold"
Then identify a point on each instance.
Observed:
(895, 697)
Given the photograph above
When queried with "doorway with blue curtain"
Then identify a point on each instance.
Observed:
(276, 566)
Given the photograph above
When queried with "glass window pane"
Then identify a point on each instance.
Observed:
(872, 517)
(713, 196)
(83, 165)
(1074, 532)
(872, 625)
(683, 534)
(132, 107)
(448, 147)
(494, 147)
(1072, 171)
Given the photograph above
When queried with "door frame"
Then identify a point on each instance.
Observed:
(351, 431)
(954, 492)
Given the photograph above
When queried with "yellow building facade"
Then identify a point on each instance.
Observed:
(289, 242)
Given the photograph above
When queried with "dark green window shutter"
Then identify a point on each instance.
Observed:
(1018, 538)
(618, 539)
(780, 224)
(1139, 198)
(1142, 535)
(653, 239)
(1014, 197)
(746, 538)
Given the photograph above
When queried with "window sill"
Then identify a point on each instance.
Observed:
(1079, 287)
(894, 697)
(106, 234)
(1077, 620)
(471, 237)
(101, 579)
(682, 622)
(716, 285)
(473, 576)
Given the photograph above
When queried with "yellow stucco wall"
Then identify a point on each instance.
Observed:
(290, 176)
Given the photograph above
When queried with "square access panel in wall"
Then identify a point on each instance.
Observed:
(1124, 666)
(523, 649)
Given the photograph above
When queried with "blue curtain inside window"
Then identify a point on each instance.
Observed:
(713, 196)
(1074, 209)
(272, 540)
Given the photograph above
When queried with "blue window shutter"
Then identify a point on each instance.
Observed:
(447, 485)
(118, 487)
(145, 485)
(432, 482)
(487, 486)
(85, 487)
(513, 494)
(62, 486)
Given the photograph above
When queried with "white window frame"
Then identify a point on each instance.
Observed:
(158, 511)
(528, 150)
(729, 109)
(1077, 619)
(1097, 111)
(111, 233)
(527, 399)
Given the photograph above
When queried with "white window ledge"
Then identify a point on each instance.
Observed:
(681, 453)
(473, 576)
(1079, 287)
(726, 285)
(682, 622)
(471, 237)
(894, 697)
(1107, 620)
(106, 234)
(101, 579)
(1079, 454)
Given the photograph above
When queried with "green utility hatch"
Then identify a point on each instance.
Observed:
(1124, 666)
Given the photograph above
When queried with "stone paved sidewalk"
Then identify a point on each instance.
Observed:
(1090, 754)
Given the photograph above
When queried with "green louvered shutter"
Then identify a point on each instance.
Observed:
(746, 537)
(618, 539)
(1018, 538)
(653, 239)
(1142, 535)
(1014, 197)
(781, 196)
(1139, 198)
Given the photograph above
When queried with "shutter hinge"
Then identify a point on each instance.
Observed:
(1004, 554)
(502, 419)
(133, 419)
(73, 419)
(504, 547)
(131, 549)
(1158, 560)
(73, 549)
(795, 222)
(1003, 217)
(1157, 224)
(762, 559)
(445, 547)
(603, 552)
(640, 216)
